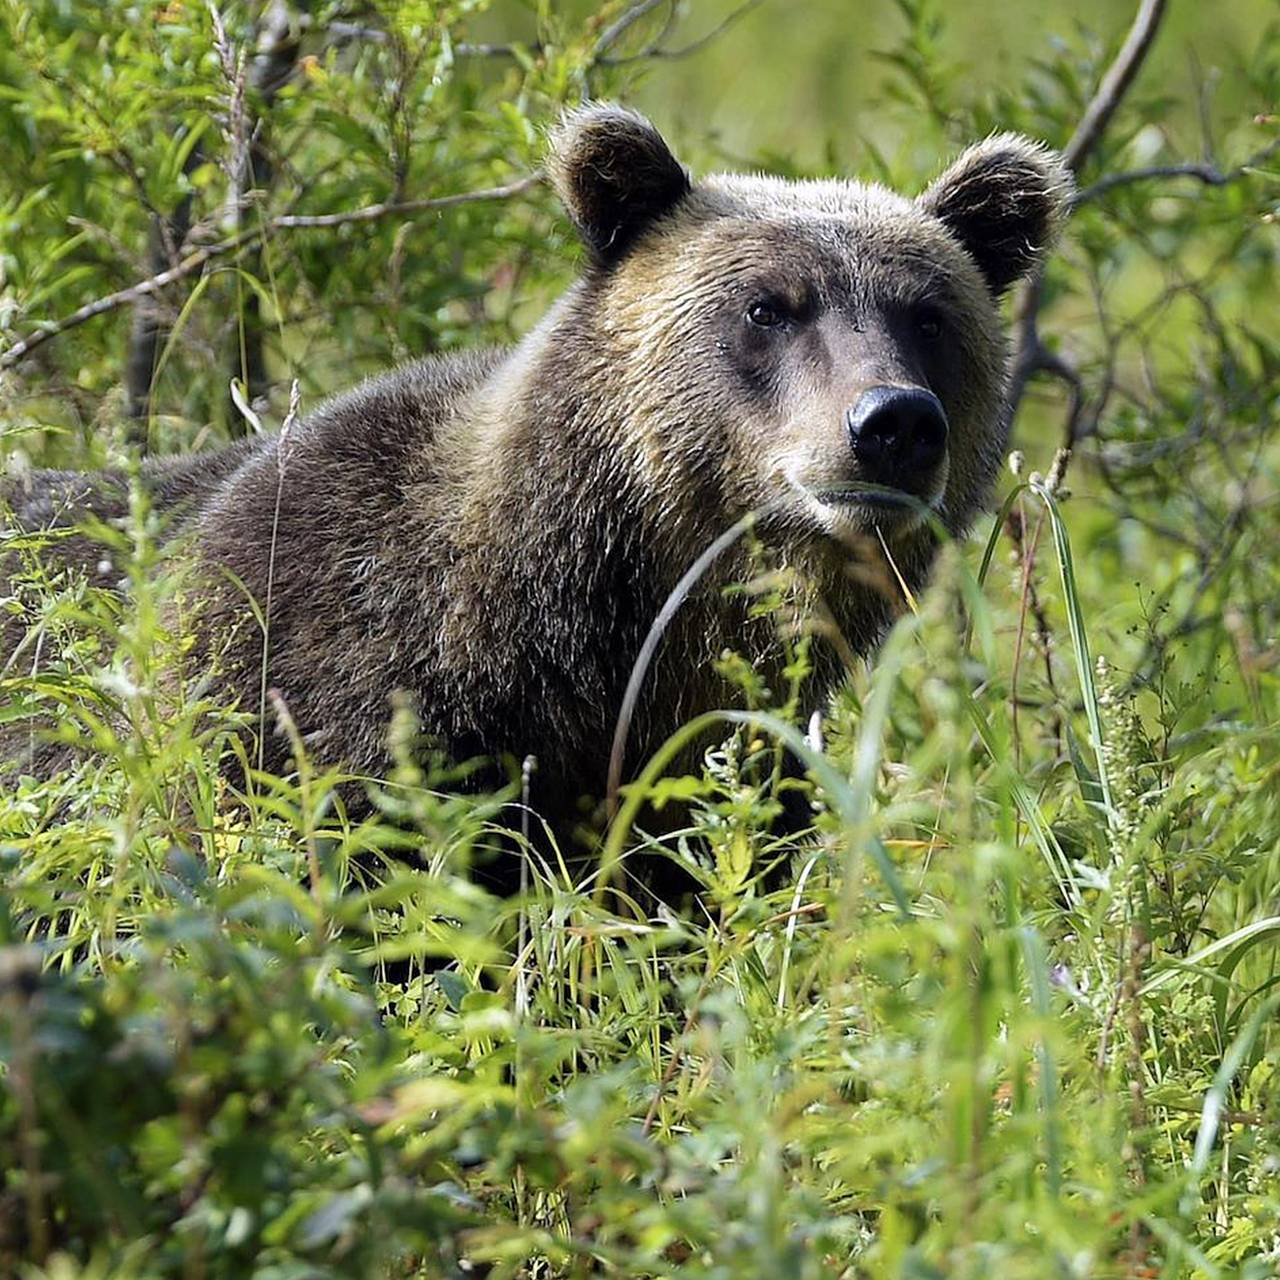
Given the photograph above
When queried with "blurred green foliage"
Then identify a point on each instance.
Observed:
(981, 1024)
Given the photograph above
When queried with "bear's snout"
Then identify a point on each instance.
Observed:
(898, 435)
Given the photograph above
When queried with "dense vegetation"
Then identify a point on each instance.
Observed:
(1009, 1010)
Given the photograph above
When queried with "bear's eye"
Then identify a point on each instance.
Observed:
(766, 314)
(929, 323)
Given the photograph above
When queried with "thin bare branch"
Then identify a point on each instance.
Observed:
(470, 49)
(393, 208)
(1208, 174)
(694, 46)
(122, 297)
(621, 25)
(669, 21)
(345, 31)
(272, 66)
(1031, 356)
(1115, 83)
(193, 262)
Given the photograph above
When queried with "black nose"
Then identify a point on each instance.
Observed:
(899, 435)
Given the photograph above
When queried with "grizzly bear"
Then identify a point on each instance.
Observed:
(492, 533)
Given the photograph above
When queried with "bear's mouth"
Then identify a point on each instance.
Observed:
(844, 507)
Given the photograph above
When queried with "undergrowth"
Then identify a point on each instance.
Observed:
(997, 1016)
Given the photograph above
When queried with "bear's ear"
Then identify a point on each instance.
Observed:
(1004, 200)
(615, 176)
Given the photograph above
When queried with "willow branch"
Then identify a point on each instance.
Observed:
(617, 29)
(1207, 174)
(195, 261)
(1031, 356)
(269, 70)
(1115, 83)
(655, 52)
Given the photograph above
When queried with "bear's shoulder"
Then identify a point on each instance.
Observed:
(404, 405)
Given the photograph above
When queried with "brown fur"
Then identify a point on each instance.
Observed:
(495, 532)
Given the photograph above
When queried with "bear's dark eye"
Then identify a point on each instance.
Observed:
(929, 323)
(765, 314)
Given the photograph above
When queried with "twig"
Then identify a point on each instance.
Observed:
(1208, 174)
(269, 70)
(621, 25)
(289, 222)
(122, 297)
(1031, 355)
(343, 30)
(469, 49)
(1115, 83)
(231, 59)
(694, 46)
(393, 208)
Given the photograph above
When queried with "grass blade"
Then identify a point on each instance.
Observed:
(1079, 641)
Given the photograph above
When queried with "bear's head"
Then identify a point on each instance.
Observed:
(815, 350)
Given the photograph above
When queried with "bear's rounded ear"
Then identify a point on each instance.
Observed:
(615, 176)
(1004, 200)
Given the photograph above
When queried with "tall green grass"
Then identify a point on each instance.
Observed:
(1002, 1012)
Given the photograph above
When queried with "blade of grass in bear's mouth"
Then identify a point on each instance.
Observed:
(864, 497)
